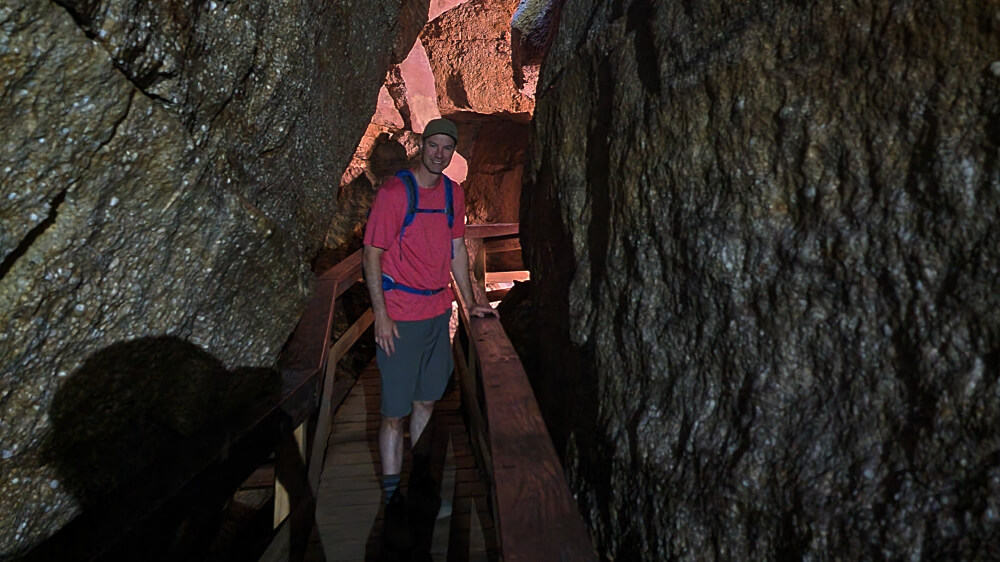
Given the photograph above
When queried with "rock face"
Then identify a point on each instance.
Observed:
(496, 153)
(169, 170)
(763, 242)
(470, 51)
(532, 27)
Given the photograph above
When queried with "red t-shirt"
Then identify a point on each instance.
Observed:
(423, 259)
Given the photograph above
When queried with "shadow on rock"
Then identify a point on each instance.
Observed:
(138, 419)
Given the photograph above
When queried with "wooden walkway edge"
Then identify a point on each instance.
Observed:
(349, 511)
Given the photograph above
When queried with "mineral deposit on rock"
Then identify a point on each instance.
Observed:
(763, 243)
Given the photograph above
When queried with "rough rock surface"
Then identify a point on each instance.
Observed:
(169, 169)
(469, 50)
(763, 243)
(533, 26)
(496, 152)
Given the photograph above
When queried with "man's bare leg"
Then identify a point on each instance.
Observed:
(422, 411)
(390, 444)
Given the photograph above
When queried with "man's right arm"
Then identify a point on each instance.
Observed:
(385, 327)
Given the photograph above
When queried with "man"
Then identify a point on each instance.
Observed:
(407, 274)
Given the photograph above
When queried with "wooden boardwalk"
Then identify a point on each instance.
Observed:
(349, 512)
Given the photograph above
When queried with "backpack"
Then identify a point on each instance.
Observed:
(413, 201)
(412, 208)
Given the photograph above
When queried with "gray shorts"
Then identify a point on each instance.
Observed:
(419, 368)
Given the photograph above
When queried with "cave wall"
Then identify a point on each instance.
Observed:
(763, 244)
(169, 170)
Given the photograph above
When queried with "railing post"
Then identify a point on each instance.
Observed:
(294, 501)
(479, 264)
(282, 502)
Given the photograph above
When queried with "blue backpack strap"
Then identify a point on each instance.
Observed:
(388, 284)
(449, 201)
(413, 203)
(449, 208)
(412, 196)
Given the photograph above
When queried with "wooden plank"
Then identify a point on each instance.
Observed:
(282, 502)
(290, 472)
(307, 349)
(350, 337)
(470, 398)
(502, 245)
(281, 544)
(496, 295)
(507, 277)
(490, 230)
(263, 477)
(299, 393)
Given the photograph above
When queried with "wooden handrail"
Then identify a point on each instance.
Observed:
(489, 230)
(307, 349)
(536, 517)
(310, 358)
(502, 245)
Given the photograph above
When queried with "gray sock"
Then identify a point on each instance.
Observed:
(390, 483)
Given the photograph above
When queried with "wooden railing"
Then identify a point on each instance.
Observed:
(536, 516)
(310, 359)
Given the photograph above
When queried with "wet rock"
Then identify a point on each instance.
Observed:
(763, 248)
(166, 172)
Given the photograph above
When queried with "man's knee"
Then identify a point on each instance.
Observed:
(425, 406)
(392, 424)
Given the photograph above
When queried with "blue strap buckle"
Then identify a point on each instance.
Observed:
(388, 284)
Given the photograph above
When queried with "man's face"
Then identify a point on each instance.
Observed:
(437, 152)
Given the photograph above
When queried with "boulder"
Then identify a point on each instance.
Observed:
(496, 150)
(469, 51)
(170, 170)
(533, 26)
(763, 244)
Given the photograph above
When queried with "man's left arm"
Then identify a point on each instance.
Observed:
(460, 269)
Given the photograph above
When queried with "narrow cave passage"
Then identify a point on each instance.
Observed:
(761, 322)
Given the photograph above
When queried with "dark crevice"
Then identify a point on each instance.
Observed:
(33, 234)
(598, 166)
(641, 23)
(397, 91)
(141, 83)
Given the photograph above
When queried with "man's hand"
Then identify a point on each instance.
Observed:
(386, 333)
(482, 310)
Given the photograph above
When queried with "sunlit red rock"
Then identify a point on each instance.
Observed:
(470, 53)
(439, 7)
